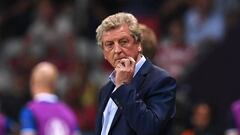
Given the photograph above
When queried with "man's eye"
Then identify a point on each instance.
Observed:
(108, 45)
(123, 42)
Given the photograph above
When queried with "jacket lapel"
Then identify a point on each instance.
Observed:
(139, 79)
(106, 92)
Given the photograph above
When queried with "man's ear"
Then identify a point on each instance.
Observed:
(105, 57)
(140, 48)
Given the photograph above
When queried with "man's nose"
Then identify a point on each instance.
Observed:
(117, 48)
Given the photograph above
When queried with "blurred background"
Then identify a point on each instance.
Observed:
(197, 43)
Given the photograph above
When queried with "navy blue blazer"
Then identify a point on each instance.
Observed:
(146, 106)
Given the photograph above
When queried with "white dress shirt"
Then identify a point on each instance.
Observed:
(111, 107)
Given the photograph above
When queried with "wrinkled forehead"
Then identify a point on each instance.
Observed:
(117, 32)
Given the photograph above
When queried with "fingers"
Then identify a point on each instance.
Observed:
(127, 62)
(124, 70)
(132, 61)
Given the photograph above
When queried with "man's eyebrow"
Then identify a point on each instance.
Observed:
(107, 42)
(124, 37)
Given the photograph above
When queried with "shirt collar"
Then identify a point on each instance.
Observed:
(137, 67)
(47, 97)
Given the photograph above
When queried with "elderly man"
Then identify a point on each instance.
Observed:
(139, 98)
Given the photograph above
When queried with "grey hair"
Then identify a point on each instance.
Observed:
(116, 20)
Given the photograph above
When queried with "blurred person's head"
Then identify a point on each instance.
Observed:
(43, 78)
(119, 37)
(149, 41)
(46, 10)
(201, 117)
(176, 30)
(203, 6)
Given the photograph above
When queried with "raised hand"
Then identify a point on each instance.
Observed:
(124, 71)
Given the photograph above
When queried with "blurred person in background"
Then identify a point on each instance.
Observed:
(203, 24)
(200, 121)
(2, 124)
(45, 114)
(7, 126)
(149, 41)
(234, 119)
(51, 35)
(139, 98)
(173, 53)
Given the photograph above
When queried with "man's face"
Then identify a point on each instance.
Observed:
(118, 43)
